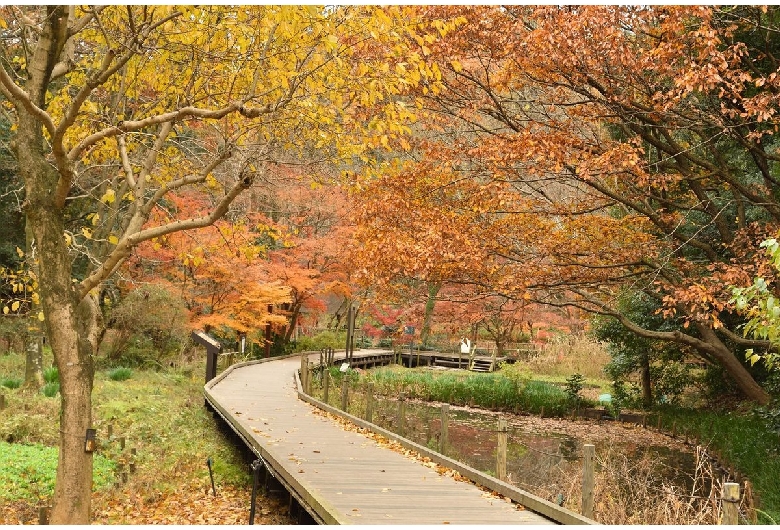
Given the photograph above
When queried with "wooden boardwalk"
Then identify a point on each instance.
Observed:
(344, 477)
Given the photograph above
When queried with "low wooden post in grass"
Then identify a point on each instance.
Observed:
(370, 402)
(43, 515)
(588, 479)
(730, 504)
(122, 443)
(2, 401)
(444, 437)
(133, 455)
(325, 385)
(501, 450)
(344, 393)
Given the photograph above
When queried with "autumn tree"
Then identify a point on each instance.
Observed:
(115, 108)
(604, 148)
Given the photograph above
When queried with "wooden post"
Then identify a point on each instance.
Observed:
(730, 505)
(2, 401)
(309, 370)
(402, 415)
(133, 454)
(344, 393)
(501, 450)
(122, 443)
(302, 373)
(325, 384)
(445, 428)
(43, 515)
(750, 503)
(588, 480)
(370, 402)
(110, 431)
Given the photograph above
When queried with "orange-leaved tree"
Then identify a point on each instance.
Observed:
(623, 147)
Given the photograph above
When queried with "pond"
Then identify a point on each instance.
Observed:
(544, 455)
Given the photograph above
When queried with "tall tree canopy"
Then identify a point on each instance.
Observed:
(114, 109)
(577, 152)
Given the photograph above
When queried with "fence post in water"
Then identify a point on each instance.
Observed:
(588, 480)
(730, 505)
(344, 393)
(370, 402)
(501, 450)
(445, 428)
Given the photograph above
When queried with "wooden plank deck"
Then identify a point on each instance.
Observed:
(340, 476)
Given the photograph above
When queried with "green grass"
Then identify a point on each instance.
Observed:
(51, 374)
(50, 389)
(743, 440)
(11, 382)
(159, 413)
(28, 471)
(491, 390)
(120, 374)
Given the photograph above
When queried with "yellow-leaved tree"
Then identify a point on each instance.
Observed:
(115, 108)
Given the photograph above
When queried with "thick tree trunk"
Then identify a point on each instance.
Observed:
(734, 368)
(71, 324)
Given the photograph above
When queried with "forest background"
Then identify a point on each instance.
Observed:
(509, 174)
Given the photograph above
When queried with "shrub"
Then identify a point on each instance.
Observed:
(574, 385)
(120, 374)
(10, 382)
(51, 374)
(322, 340)
(147, 326)
(50, 389)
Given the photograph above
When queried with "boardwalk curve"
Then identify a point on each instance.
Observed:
(341, 476)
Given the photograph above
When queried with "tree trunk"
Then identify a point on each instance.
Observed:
(72, 324)
(430, 305)
(726, 358)
(644, 374)
(33, 365)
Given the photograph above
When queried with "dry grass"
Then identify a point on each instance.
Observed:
(630, 491)
(569, 355)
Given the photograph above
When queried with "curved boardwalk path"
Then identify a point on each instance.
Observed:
(340, 476)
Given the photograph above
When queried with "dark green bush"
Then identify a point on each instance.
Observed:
(11, 382)
(50, 389)
(51, 374)
(120, 374)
